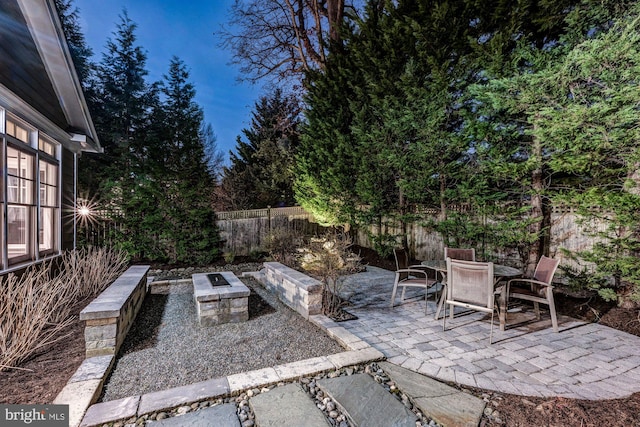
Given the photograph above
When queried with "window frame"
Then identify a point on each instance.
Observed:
(42, 152)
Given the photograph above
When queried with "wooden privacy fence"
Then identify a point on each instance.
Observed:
(245, 231)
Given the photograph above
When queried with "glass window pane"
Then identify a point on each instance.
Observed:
(48, 173)
(18, 231)
(21, 176)
(26, 165)
(47, 229)
(12, 189)
(17, 131)
(46, 146)
(48, 195)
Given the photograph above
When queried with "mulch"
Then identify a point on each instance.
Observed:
(40, 379)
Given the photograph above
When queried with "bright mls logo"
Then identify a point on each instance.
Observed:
(34, 415)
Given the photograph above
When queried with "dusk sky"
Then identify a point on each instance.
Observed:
(185, 29)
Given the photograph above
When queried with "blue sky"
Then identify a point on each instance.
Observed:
(183, 28)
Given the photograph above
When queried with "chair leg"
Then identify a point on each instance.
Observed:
(491, 329)
(552, 312)
(393, 294)
(536, 308)
(404, 288)
(444, 318)
(426, 303)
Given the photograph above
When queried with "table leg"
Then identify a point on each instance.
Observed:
(443, 296)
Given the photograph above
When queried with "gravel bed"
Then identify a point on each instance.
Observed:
(167, 348)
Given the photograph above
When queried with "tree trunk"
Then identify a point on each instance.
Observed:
(537, 209)
(443, 202)
(335, 12)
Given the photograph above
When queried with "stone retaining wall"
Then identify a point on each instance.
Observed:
(109, 317)
(299, 291)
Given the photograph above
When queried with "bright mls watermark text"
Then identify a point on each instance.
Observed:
(34, 415)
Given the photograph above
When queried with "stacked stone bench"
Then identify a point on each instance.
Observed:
(220, 304)
(109, 317)
(299, 291)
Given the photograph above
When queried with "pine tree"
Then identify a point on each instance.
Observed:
(261, 172)
(121, 118)
(182, 170)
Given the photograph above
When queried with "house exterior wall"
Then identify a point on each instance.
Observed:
(44, 125)
(68, 199)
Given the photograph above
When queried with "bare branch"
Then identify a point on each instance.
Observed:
(281, 39)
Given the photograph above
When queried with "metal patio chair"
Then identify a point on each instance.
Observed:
(470, 285)
(460, 254)
(539, 290)
(416, 276)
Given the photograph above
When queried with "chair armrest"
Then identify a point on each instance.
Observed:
(531, 281)
(426, 269)
(411, 270)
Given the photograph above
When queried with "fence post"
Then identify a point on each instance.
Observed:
(269, 219)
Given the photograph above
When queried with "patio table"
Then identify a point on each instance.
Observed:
(500, 272)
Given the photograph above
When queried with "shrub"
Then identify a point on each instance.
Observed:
(35, 307)
(329, 257)
(90, 270)
(282, 245)
(229, 257)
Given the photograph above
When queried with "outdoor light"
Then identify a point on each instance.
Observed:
(84, 211)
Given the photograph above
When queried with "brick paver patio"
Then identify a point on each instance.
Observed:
(583, 360)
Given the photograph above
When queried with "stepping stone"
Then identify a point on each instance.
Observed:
(367, 403)
(215, 416)
(288, 405)
(446, 405)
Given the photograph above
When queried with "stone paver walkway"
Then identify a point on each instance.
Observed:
(583, 360)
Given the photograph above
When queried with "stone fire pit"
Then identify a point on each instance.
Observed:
(220, 298)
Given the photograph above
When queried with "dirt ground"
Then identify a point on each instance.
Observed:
(40, 379)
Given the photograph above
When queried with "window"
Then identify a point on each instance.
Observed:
(20, 203)
(48, 207)
(46, 147)
(17, 131)
(30, 199)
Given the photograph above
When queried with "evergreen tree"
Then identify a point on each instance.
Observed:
(581, 113)
(385, 119)
(261, 172)
(85, 67)
(121, 117)
(507, 135)
(182, 170)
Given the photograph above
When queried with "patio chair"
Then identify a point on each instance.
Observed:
(470, 285)
(460, 254)
(410, 276)
(540, 289)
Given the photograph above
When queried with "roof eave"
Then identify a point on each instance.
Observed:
(45, 27)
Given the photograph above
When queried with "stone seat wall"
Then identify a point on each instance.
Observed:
(299, 291)
(109, 317)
